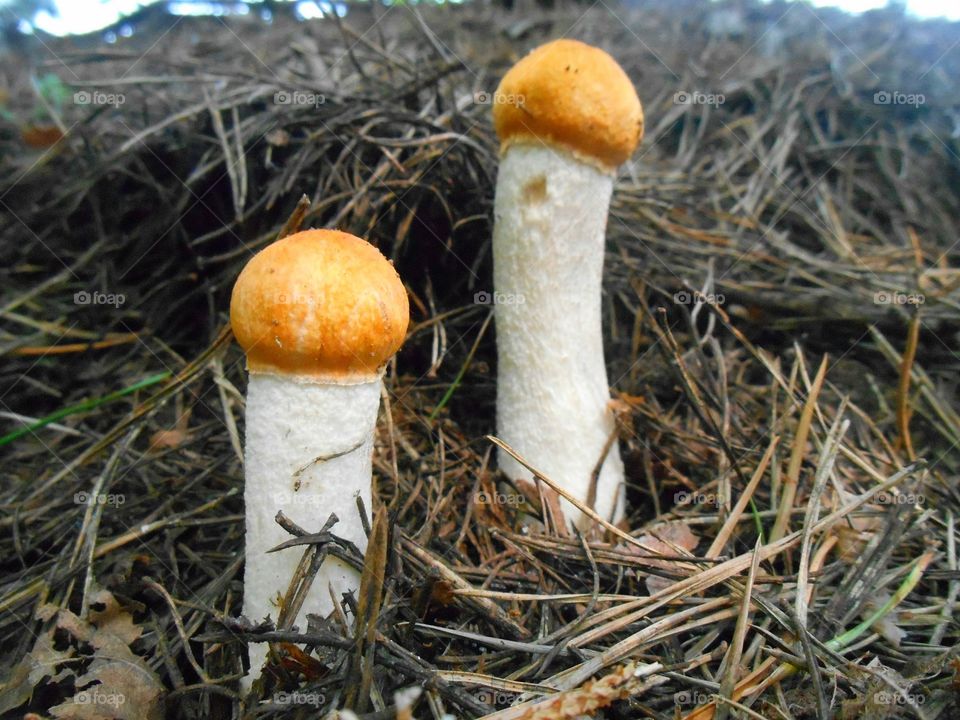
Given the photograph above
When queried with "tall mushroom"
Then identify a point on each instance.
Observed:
(318, 314)
(567, 116)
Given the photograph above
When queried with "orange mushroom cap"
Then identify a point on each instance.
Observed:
(574, 95)
(322, 304)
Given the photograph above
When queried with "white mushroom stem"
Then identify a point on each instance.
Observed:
(552, 389)
(309, 453)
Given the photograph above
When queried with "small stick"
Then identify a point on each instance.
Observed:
(44, 350)
(796, 457)
(903, 388)
(295, 220)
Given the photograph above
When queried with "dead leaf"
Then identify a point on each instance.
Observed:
(549, 498)
(113, 619)
(442, 592)
(109, 679)
(853, 536)
(114, 690)
(40, 137)
(40, 662)
(174, 437)
(168, 439)
(670, 539)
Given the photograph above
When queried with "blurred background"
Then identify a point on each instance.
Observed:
(63, 17)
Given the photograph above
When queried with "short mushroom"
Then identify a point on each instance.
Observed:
(567, 116)
(318, 313)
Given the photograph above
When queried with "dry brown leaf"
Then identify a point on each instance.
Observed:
(852, 538)
(668, 538)
(550, 498)
(116, 683)
(39, 663)
(168, 439)
(40, 137)
(447, 528)
(112, 689)
(442, 592)
(678, 534)
(112, 618)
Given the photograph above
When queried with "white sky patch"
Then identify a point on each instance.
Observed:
(852, 6)
(949, 9)
(935, 8)
(84, 16)
(207, 8)
(310, 10)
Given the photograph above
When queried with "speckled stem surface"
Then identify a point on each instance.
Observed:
(309, 452)
(552, 389)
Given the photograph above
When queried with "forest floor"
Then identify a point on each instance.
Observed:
(782, 325)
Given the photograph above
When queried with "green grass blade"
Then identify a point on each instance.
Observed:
(81, 407)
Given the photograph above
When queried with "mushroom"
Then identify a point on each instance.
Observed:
(567, 116)
(318, 314)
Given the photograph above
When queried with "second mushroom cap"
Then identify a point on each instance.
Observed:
(574, 95)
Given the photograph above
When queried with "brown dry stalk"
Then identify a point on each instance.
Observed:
(44, 350)
(494, 611)
(731, 663)
(780, 527)
(731, 522)
(295, 220)
(368, 613)
(704, 580)
(903, 388)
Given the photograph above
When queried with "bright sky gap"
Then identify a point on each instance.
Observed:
(84, 16)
